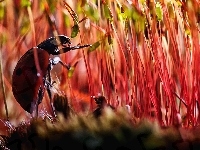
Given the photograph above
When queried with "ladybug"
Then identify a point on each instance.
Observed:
(28, 85)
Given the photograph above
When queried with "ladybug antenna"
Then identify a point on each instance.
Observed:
(66, 49)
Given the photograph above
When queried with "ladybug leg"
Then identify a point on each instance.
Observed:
(53, 62)
(34, 104)
(57, 60)
(65, 65)
(34, 109)
(48, 86)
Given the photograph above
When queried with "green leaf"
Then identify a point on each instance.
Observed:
(142, 2)
(2, 10)
(91, 12)
(137, 17)
(131, 12)
(25, 3)
(67, 21)
(107, 12)
(187, 32)
(179, 3)
(51, 4)
(75, 31)
(159, 12)
(25, 26)
(94, 46)
(3, 38)
(70, 72)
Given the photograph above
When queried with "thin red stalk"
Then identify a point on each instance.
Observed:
(149, 87)
(123, 61)
(73, 97)
(130, 58)
(51, 19)
(114, 99)
(85, 57)
(105, 77)
(171, 34)
(196, 45)
(35, 49)
(153, 97)
(126, 79)
(160, 64)
(137, 83)
(3, 88)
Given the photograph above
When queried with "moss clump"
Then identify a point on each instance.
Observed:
(111, 131)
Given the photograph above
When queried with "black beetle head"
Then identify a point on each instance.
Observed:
(99, 100)
(52, 44)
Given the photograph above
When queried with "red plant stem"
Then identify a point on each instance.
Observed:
(171, 35)
(196, 45)
(85, 57)
(3, 87)
(123, 62)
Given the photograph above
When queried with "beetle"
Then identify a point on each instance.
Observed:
(28, 85)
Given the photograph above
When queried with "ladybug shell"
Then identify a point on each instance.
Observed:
(25, 82)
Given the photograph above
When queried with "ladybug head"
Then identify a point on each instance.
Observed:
(52, 45)
(59, 44)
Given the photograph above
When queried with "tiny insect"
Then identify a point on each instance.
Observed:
(27, 87)
(101, 104)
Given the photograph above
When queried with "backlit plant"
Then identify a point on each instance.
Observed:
(144, 60)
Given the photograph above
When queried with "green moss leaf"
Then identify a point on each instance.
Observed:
(94, 46)
(107, 12)
(70, 72)
(75, 31)
(25, 26)
(159, 12)
(66, 21)
(52, 5)
(25, 3)
(136, 16)
(2, 10)
(91, 12)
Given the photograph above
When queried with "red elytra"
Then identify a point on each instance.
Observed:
(25, 82)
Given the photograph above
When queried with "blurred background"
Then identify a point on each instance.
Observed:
(144, 54)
